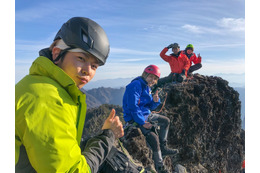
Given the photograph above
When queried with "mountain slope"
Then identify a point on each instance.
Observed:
(98, 96)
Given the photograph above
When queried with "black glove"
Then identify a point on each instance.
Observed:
(170, 46)
(117, 160)
(97, 149)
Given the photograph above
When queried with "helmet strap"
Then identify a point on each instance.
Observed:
(62, 54)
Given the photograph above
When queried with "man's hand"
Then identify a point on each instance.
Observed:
(156, 96)
(170, 46)
(199, 57)
(147, 125)
(113, 122)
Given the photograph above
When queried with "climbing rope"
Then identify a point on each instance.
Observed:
(163, 102)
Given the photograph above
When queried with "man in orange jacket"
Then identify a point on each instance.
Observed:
(179, 64)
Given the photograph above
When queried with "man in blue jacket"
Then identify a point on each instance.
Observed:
(137, 105)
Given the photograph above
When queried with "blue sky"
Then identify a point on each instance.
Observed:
(138, 30)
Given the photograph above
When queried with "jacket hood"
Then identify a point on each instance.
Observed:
(43, 66)
(46, 53)
(141, 79)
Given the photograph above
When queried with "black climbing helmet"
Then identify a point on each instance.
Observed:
(84, 33)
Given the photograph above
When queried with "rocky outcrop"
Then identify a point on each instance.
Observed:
(205, 127)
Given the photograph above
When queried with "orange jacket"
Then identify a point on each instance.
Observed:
(177, 64)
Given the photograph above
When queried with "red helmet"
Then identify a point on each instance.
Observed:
(153, 69)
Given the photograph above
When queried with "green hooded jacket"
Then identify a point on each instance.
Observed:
(49, 118)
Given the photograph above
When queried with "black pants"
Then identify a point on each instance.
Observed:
(194, 67)
(165, 80)
(178, 77)
(152, 138)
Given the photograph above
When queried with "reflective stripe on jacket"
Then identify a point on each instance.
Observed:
(177, 64)
(50, 113)
(138, 101)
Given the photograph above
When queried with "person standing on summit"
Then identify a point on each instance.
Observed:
(50, 109)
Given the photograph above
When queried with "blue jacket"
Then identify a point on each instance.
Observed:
(138, 101)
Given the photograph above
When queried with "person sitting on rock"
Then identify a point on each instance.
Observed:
(193, 58)
(179, 64)
(137, 105)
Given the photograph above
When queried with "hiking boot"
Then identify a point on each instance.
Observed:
(169, 152)
(166, 151)
(162, 169)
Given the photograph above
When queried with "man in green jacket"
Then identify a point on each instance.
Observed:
(50, 109)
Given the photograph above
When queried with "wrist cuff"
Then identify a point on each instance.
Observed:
(109, 133)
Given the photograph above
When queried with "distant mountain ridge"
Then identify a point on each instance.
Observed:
(98, 96)
(108, 83)
(235, 80)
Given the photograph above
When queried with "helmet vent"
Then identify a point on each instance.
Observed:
(88, 40)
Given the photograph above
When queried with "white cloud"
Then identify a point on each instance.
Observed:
(232, 24)
(192, 28)
(201, 29)
(222, 26)
(157, 27)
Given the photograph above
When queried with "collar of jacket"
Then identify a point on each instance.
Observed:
(45, 67)
(176, 55)
(141, 79)
(188, 55)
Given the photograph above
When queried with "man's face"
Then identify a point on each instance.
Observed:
(151, 80)
(189, 51)
(175, 50)
(79, 66)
